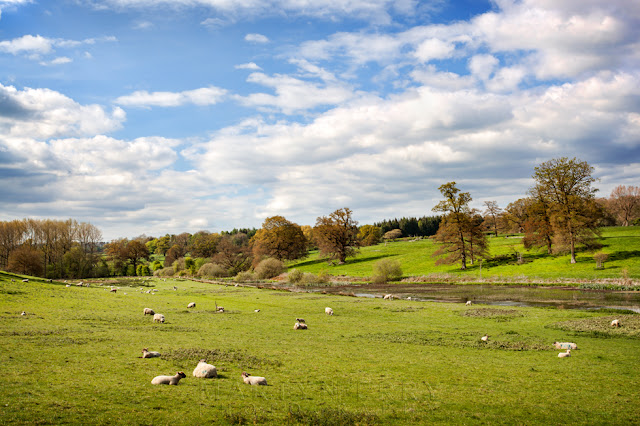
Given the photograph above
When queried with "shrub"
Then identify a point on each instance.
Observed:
(164, 272)
(269, 268)
(131, 271)
(600, 259)
(156, 265)
(244, 276)
(294, 276)
(385, 270)
(212, 270)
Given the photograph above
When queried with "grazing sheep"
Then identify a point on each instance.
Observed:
(565, 345)
(204, 370)
(148, 311)
(158, 318)
(113, 290)
(175, 288)
(485, 338)
(26, 280)
(191, 305)
(564, 354)
(168, 380)
(328, 311)
(257, 310)
(68, 285)
(388, 297)
(80, 284)
(253, 380)
(147, 354)
(615, 323)
(219, 309)
(300, 326)
(468, 303)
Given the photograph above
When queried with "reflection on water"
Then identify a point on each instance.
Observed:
(559, 297)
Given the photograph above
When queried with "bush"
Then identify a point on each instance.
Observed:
(294, 276)
(244, 276)
(211, 270)
(131, 271)
(164, 272)
(156, 265)
(386, 270)
(269, 268)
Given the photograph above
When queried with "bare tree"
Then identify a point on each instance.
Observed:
(492, 213)
(625, 203)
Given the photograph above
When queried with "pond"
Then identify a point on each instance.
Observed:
(511, 295)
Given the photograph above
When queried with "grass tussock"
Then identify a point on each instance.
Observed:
(601, 326)
(330, 417)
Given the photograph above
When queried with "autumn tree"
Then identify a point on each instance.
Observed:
(566, 185)
(537, 226)
(492, 214)
(475, 236)
(26, 260)
(232, 257)
(515, 215)
(337, 235)
(204, 244)
(11, 236)
(393, 235)
(624, 203)
(280, 239)
(369, 235)
(455, 231)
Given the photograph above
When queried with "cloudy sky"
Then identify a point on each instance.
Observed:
(166, 116)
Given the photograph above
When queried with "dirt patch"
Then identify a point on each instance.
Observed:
(601, 326)
(242, 358)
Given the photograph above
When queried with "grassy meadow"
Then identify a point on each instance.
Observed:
(622, 244)
(74, 358)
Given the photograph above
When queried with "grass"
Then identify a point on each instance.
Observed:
(75, 359)
(622, 244)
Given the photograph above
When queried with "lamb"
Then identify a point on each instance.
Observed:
(565, 345)
(147, 354)
(468, 303)
(564, 354)
(485, 338)
(615, 323)
(204, 370)
(148, 311)
(191, 305)
(300, 326)
(168, 380)
(23, 313)
(253, 380)
(328, 311)
(388, 297)
(158, 318)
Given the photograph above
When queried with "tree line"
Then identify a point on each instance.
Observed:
(560, 212)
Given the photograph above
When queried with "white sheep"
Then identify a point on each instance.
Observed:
(168, 380)
(253, 380)
(300, 326)
(328, 311)
(565, 345)
(26, 280)
(191, 305)
(148, 311)
(564, 354)
(257, 310)
(158, 318)
(68, 285)
(204, 370)
(615, 323)
(388, 297)
(23, 313)
(485, 338)
(152, 354)
(468, 303)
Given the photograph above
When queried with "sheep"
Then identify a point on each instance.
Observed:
(468, 303)
(147, 354)
(388, 297)
(615, 323)
(565, 345)
(23, 313)
(328, 311)
(113, 290)
(68, 285)
(148, 311)
(257, 310)
(158, 318)
(168, 380)
(175, 288)
(300, 319)
(253, 380)
(191, 305)
(80, 284)
(204, 370)
(564, 354)
(300, 326)
(485, 338)
(219, 309)
(26, 280)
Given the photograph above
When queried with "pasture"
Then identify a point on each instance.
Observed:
(75, 358)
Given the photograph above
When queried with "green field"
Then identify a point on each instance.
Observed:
(74, 359)
(622, 244)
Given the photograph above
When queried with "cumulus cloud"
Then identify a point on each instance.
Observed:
(203, 96)
(27, 43)
(248, 66)
(256, 38)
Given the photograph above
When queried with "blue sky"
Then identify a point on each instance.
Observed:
(159, 116)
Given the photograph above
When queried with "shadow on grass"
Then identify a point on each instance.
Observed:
(623, 255)
(348, 262)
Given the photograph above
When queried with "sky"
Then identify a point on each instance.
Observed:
(170, 116)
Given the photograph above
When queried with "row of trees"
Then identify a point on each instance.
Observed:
(411, 226)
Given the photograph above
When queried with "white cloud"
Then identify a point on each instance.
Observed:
(203, 96)
(434, 49)
(58, 61)
(482, 66)
(256, 38)
(248, 66)
(27, 43)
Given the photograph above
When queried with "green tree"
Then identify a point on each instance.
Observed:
(369, 235)
(337, 235)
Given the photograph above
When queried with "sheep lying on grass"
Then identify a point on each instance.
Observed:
(147, 354)
(148, 311)
(253, 380)
(26, 280)
(300, 326)
(485, 338)
(158, 318)
(564, 354)
(168, 380)
(328, 311)
(565, 345)
(204, 370)
(191, 305)
(615, 323)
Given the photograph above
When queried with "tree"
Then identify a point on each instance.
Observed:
(538, 229)
(456, 228)
(26, 260)
(516, 214)
(163, 244)
(566, 185)
(393, 234)
(204, 244)
(11, 236)
(492, 213)
(337, 235)
(369, 235)
(474, 234)
(233, 258)
(625, 203)
(136, 251)
(280, 239)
